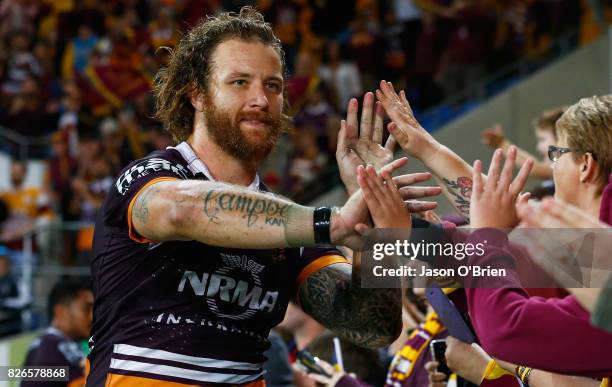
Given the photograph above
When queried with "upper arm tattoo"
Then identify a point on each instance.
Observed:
(461, 190)
(140, 210)
(366, 317)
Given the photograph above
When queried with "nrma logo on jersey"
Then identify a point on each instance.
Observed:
(233, 291)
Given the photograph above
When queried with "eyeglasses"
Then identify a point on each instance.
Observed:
(555, 152)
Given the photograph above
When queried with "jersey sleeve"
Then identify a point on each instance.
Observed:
(313, 259)
(159, 166)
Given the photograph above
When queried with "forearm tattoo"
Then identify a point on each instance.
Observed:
(254, 210)
(366, 317)
(461, 190)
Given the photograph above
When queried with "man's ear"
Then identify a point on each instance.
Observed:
(59, 311)
(589, 168)
(197, 101)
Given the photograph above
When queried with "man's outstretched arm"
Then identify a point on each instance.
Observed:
(367, 317)
(219, 214)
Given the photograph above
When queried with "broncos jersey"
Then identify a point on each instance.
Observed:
(184, 312)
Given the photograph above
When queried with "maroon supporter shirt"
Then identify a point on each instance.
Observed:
(183, 311)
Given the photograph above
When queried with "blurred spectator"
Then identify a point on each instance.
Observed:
(78, 51)
(363, 362)
(70, 310)
(163, 30)
(21, 63)
(278, 371)
(318, 115)
(545, 133)
(469, 45)
(10, 301)
(28, 206)
(303, 329)
(408, 15)
(307, 161)
(341, 74)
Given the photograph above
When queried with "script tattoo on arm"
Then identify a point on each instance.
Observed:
(366, 317)
(461, 190)
(254, 210)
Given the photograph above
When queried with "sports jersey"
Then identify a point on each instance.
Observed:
(53, 348)
(184, 312)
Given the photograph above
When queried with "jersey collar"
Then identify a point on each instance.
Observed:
(196, 165)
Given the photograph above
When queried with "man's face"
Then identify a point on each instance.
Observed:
(243, 107)
(80, 315)
(566, 175)
(18, 173)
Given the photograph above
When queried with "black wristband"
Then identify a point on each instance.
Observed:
(321, 221)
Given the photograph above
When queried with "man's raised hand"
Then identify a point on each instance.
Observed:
(361, 143)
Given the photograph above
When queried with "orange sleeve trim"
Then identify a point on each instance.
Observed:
(131, 232)
(118, 380)
(317, 265)
(79, 382)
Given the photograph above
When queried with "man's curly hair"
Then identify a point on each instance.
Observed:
(190, 65)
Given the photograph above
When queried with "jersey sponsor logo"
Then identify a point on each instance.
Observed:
(233, 291)
(146, 167)
(222, 326)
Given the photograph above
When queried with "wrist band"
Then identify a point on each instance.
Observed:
(523, 373)
(321, 221)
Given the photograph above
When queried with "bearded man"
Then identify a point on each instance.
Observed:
(194, 261)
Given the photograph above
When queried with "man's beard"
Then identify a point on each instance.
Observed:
(227, 134)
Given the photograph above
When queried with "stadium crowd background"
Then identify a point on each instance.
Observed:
(76, 78)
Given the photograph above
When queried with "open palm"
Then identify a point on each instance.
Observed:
(362, 145)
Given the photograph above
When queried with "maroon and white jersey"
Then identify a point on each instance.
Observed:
(183, 311)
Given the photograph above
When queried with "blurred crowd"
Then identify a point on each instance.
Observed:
(76, 76)
(80, 72)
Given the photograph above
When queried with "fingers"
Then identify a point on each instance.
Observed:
(493, 175)
(508, 170)
(379, 117)
(522, 199)
(397, 134)
(365, 128)
(419, 192)
(342, 140)
(351, 119)
(570, 216)
(394, 165)
(391, 102)
(431, 366)
(376, 184)
(415, 206)
(404, 100)
(411, 178)
(392, 189)
(370, 195)
(391, 142)
(362, 229)
(435, 378)
(521, 178)
(477, 184)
